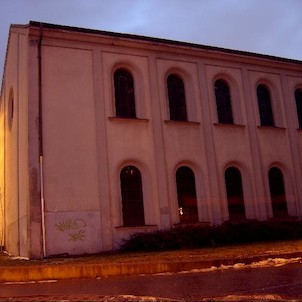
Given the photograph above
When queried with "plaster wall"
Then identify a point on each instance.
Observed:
(85, 146)
(15, 145)
(72, 202)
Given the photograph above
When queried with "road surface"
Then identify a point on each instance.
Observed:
(284, 281)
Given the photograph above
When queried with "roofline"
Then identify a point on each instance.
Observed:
(161, 41)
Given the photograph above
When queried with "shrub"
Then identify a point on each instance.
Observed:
(228, 233)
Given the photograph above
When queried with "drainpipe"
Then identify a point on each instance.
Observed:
(41, 141)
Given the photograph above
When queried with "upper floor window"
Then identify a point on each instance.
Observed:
(223, 102)
(177, 98)
(265, 106)
(132, 197)
(10, 109)
(298, 98)
(124, 94)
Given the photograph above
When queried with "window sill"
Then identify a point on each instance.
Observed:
(181, 122)
(185, 224)
(138, 228)
(229, 125)
(127, 119)
(271, 127)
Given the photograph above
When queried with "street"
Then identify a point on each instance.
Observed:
(285, 281)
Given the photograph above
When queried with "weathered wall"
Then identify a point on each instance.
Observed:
(72, 201)
(15, 188)
(85, 146)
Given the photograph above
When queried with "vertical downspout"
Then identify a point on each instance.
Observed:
(41, 141)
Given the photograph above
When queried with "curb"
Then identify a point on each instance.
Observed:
(95, 270)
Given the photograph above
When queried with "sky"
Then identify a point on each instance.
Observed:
(272, 27)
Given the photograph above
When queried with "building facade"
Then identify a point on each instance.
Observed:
(104, 135)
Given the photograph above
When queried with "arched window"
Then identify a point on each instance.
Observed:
(298, 98)
(124, 94)
(10, 109)
(186, 193)
(177, 98)
(223, 102)
(265, 106)
(277, 191)
(132, 197)
(235, 197)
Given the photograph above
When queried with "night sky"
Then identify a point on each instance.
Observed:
(272, 27)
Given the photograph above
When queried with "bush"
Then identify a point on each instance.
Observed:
(228, 233)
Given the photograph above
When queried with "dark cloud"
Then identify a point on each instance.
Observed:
(269, 27)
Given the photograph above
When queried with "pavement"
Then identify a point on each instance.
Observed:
(14, 269)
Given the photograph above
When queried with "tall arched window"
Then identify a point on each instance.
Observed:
(298, 98)
(186, 193)
(124, 94)
(265, 106)
(10, 109)
(277, 190)
(132, 197)
(235, 197)
(223, 102)
(177, 98)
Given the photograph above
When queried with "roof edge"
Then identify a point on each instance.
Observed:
(161, 41)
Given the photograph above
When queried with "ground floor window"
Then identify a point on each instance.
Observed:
(235, 197)
(186, 193)
(132, 197)
(277, 191)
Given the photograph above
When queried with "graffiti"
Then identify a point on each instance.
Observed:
(77, 236)
(69, 225)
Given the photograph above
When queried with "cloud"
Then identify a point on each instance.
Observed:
(269, 27)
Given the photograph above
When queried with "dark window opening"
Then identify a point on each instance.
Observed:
(298, 98)
(177, 98)
(277, 191)
(265, 106)
(124, 94)
(223, 102)
(235, 197)
(186, 193)
(10, 108)
(132, 197)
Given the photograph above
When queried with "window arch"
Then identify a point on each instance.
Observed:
(186, 193)
(132, 197)
(233, 182)
(223, 102)
(277, 191)
(177, 98)
(124, 94)
(265, 106)
(298, 99)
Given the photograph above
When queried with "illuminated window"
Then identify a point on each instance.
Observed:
(298, 98)
(277, 191)
(132, 197)
(223, 102)
(235, 197)
(124, 94)
(177, 98)
(186, 193)
(265, 106)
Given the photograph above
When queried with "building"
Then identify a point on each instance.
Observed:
(106, 134)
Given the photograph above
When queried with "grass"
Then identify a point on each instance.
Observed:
(239, 251)
(194, 243)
